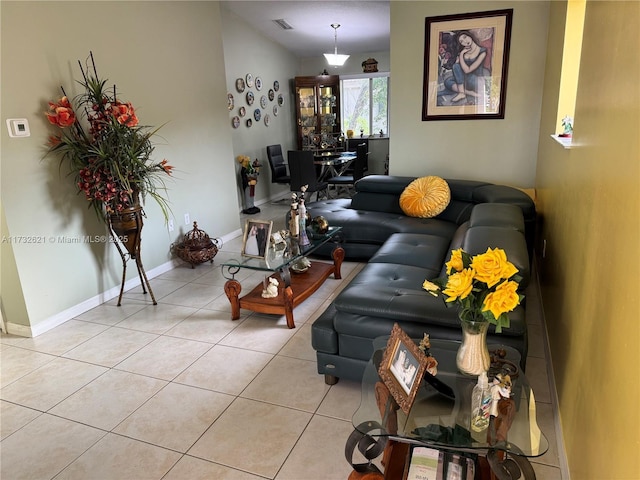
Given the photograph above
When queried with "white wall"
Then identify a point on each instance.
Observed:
(167, 59)
(501, 151)
(246, 51)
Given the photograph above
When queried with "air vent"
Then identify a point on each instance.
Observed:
(283, 24)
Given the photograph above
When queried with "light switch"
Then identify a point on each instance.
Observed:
(18, 127)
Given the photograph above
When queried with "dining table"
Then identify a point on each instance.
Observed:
(333, 164)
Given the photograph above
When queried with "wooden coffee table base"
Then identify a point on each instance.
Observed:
(301, 287)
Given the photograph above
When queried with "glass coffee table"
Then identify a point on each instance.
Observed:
(440, 416)
(293, 288)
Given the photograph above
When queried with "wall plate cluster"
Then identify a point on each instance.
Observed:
(18, 127)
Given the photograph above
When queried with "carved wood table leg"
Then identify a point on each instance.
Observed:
(338, 257)
(287, 294)
(233, 288)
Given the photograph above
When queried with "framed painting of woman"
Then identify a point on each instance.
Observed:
(465, 65)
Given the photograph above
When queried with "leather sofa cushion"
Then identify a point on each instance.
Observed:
(424, 251)
(497, 215)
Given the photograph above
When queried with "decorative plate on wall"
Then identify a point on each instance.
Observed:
(240, 85)
(249, 122)
(242, 111)
(263, 101)
(276, 110)
(257, 114)
(235, 121)
(280, 100)
(272, 94)
(230, 101)
(276, 85)
(258, 83)
(249, 97)
(249, 80)
(267, 119)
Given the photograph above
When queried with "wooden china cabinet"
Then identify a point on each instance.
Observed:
(318, 113)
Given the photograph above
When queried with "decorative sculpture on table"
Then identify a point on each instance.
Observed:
(303, 239)
(249, 176)
(503, 409)
(271, 288)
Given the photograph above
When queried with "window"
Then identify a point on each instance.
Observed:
(364, 102)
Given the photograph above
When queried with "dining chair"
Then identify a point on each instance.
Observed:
(278, 166)
(303, 172)
(348, 181)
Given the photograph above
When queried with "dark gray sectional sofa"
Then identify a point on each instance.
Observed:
(404, 251)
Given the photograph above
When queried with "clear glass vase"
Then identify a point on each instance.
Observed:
(473, 355)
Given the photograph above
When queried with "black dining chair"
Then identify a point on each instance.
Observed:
(348, 181)
(303, 172)
(278, 166)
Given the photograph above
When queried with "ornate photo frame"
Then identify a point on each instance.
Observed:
(465, 65)
(256, 239)
(402, 368)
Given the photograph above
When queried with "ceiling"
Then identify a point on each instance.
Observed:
(364, 24)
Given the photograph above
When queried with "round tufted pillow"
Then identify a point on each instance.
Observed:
(425, 197)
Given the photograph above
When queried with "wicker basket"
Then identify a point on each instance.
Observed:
(197, 247)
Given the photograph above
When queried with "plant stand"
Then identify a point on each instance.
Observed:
(126, 228)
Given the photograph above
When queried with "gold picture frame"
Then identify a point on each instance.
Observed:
(402, 368)
(255, 242)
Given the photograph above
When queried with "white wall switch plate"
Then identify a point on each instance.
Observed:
(18, 127)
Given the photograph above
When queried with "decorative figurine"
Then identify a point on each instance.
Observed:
(271, 291)
(503, 409)
(303, 238)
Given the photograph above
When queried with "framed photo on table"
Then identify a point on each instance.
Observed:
(402, 368)
(257, 234)
(465, 65)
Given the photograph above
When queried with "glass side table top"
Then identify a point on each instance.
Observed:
(438, 419)
(276, 260)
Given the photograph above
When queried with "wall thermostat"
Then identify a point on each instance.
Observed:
(18, 127)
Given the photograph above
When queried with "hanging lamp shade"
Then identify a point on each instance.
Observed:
(334, 59)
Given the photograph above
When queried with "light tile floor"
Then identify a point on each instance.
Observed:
(179, 391)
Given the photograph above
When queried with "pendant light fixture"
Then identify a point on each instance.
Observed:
(333, 58)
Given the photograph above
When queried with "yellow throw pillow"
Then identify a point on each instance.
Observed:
(425, 197)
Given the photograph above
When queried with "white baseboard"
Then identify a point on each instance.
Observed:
(70, 313)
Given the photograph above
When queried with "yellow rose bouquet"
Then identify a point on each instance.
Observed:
(484, 286)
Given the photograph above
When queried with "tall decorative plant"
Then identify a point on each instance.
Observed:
(106, 150)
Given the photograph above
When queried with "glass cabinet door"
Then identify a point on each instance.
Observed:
(318, 117)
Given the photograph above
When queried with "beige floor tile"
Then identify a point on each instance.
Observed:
(197, 469)
(175, 417)
(111, 346)
(536, 341)
(16, 362)
(538, 379)
(342, 400)
(224, 369)
(157, 318)
(260, 333)
(258, 437)
(6, 340)
(314, 456)
(161, 288)
(51, 383)
(545, 472)
(14, 417)
(116, 457)
(108, 400)
(221, 303)
(546, 423)
(44, 447)
(194, 295)
(109, 313)
(289, 382)
(299, 346)
(184, 273)
(64, 337)
(164, 358)
(209, 326)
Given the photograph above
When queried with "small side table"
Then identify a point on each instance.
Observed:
(433, 412)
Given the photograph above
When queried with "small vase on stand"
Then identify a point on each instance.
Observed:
(473, 355)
